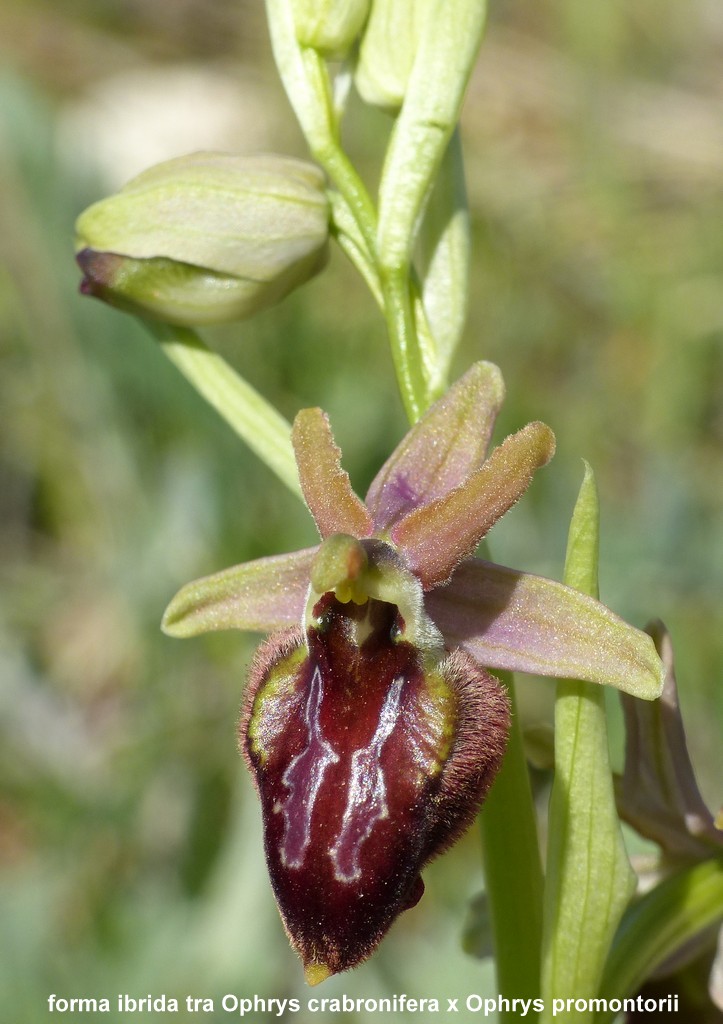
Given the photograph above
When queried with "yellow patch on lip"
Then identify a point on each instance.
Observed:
(316, 973)
(276, 690)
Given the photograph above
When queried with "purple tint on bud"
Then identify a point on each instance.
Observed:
(100, 271)
(369, 758)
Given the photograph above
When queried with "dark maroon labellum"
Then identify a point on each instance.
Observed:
(370, 757)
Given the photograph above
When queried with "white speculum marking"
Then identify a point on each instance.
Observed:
(303, 779)
(367, 796)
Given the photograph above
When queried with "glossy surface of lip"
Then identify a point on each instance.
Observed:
(370, 757)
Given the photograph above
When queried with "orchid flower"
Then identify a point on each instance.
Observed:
(657, 793)
(678, 916)
(372, 725)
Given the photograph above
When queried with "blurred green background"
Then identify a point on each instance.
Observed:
(130, 853)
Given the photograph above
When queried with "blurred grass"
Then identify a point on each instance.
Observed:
(130, 857)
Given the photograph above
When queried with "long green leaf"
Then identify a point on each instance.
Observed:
(254, 419)
(667, 917)
(589, 879)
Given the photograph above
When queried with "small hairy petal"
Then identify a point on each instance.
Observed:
(525, 623)
(326, 487)
(435, 538)
(440, 451)
(264, 595)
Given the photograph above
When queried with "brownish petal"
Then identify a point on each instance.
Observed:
(325, 485)
(435, 538)
(440, 451)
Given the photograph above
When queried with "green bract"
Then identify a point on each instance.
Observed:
(206, 238)
(449, 39)
(330, 26)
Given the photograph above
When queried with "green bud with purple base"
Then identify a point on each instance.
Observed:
(207, 238)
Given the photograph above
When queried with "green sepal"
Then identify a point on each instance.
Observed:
(265, 595)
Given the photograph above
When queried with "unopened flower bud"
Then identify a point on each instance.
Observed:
(388, 49)
(330, 26)
(448, 40)
(206, 238)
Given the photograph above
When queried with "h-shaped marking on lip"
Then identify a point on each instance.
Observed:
(367, 795)
(303, 778)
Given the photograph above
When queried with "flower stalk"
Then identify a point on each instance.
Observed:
(404, 341)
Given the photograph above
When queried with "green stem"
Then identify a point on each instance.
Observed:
(404, 342)
(667, 917)
(513, 874)
(345, 229)
(326, 148)
(255, 421)
(342, 174)
(396, 287)
(396, 290)
(305, 76)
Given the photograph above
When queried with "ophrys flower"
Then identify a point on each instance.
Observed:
(372, 725)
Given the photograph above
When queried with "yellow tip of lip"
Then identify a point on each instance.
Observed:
(316, 973)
